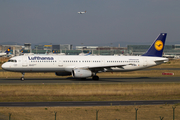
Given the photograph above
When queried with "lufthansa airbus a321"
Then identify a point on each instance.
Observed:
(87, 66)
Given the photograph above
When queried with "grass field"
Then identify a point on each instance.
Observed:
(89, 92)
(145, 112)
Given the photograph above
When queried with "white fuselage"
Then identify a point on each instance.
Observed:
(53, 63)
(2, 54)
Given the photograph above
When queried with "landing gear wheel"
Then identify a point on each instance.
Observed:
(22, 78)
(95, 78)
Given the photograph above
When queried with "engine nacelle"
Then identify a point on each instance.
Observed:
(62, 73)
(80, 73)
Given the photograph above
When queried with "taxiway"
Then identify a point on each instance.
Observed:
(94, 103)
(71, 80)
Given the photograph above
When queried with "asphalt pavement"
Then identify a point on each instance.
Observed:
(70, 80)
(94, 103)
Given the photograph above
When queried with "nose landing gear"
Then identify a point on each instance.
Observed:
(22, 78)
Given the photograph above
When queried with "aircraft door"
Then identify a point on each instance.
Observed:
(60, 62)
(24, 62)
(145, 62)
(102, 62)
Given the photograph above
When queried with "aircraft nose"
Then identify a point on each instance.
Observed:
(4, 66)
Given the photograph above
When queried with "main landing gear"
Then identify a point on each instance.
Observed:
(22, 78)
(95, 78)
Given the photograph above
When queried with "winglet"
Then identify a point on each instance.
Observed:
(156, 49)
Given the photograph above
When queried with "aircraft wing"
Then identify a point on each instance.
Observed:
(101, 67)
(108, 66)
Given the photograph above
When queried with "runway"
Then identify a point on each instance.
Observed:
(94, 103)
(71, 80)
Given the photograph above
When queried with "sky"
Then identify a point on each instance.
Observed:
(106, 21)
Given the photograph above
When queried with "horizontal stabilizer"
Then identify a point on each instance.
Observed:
(162, 60)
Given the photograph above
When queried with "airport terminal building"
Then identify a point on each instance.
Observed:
(67, 49)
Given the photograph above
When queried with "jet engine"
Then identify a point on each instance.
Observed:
(81, 73)
(62, 73)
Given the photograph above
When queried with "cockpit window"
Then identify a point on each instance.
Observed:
(11, 60)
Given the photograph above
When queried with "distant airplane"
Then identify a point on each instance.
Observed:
(85, 54)
(87, 66)
(5, 53)
(81, 12)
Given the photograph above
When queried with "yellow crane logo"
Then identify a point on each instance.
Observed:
(158, 45)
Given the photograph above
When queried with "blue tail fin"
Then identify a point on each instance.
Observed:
(89, 53)
(156, 49)
(8, 50)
